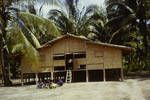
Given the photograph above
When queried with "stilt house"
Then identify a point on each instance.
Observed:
(87, 60)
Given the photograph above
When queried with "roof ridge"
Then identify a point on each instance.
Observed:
(84, 38)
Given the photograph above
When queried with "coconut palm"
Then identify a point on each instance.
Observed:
(130, 12)
(97, 26)
(130, 15)
(39, 26)
(70, 18)
(16, 37)
(4, 17)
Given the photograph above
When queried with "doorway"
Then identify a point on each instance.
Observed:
(69, 61)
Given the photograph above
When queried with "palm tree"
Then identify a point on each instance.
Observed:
(43, 29)
(16, 37)
(70, 19)
(39, 26)
(97, 26)
(4, 17)
(130, 15)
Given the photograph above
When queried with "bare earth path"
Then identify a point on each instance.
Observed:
(131, 89)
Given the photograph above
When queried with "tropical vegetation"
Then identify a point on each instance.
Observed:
(129, 21)
(23, 30)
(18, 38)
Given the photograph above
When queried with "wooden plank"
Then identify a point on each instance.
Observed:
(36, 78)
(104, 75)
(22, 81)
(87, 76)
(52, 75)
(122, 76)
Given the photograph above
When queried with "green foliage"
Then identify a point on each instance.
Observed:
(70, 19)
(38, 25)
(19, 44)
(129, 19)
(125, 24)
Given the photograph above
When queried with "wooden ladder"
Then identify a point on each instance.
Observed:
(68, 76)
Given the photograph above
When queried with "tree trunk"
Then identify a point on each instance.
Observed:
(3, 45)
(5, 72)
(4, 59)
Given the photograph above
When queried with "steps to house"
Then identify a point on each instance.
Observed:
(69, 76)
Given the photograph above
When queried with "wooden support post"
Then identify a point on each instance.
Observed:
(52, 70)
(52, 75)
(122, 78)
(36, 78)
(22, 81)
(87, 76)
(25, 79)
(49, 76)
(29, 78)
(104, 75)
(2, 79)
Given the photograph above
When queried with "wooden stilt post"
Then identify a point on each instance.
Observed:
(87, 78)
(36, 78)
(26, 78)
(104, 75)
(52, 75)
(2, 79)
(122, 78)
(22, 81)
(29, 78)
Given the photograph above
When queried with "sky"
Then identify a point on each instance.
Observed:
(46, 8)
(88, 2)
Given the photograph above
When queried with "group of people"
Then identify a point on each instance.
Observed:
(49, 84)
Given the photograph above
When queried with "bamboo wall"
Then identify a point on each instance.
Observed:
(78, 62)
(46, 59)
(112, 58)
(68, 45)
(102, 56)
(95, 56)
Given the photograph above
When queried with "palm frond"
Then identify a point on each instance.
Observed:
(34, 41)
(123, 24)
(20, 44)
(121, 5)
(46, 26)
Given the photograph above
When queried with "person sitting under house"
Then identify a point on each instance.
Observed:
(43, 84)
(49, 84)
(40, 85)
(60, 82)
(53, 85)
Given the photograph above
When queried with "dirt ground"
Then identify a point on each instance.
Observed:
(130, 89)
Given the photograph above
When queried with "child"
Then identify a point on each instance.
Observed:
(60, 82)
